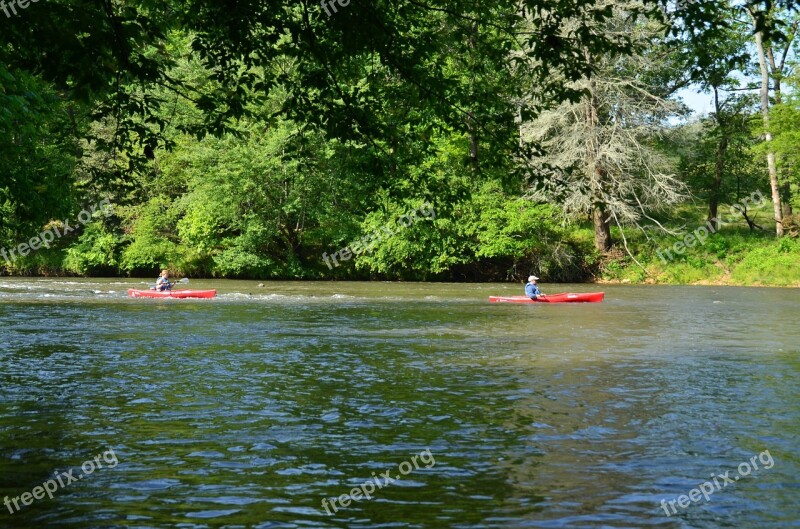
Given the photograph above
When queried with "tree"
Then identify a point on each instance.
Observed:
(106, 53)
(785, 123)
(718, 161)
(712, 59)
(38, 155)
(599, 151)
(765, 49)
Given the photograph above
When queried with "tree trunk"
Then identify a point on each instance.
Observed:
(473, 152)
(719, 166)
(471, 122)
(602, 228)
(594, 171)
(393, 161)
(771, 166)
(719, 169)
(778, 66)
(777, 75)
(786, 200)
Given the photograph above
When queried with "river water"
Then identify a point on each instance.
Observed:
(251, 409)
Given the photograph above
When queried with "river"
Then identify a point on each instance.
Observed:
(283, 405)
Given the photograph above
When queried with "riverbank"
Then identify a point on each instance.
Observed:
(734, 256)
(687, 253)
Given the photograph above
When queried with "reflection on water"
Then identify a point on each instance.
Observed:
(248, 410)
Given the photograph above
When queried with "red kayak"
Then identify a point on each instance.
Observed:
(566, 297)
(179, 294)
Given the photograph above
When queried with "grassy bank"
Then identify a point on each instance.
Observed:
(734, 255)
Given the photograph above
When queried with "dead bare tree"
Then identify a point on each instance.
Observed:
(601, 148)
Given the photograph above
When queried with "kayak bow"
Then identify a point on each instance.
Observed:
(565, 297)
(178, 294)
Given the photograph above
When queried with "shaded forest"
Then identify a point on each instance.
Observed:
(437, 140)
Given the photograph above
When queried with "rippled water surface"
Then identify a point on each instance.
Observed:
(250, 409)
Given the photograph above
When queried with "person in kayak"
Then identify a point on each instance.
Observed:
(531, 290)
(162, 283)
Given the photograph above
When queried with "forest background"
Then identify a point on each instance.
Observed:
(434, 141)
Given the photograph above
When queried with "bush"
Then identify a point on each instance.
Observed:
(94, 252)
(777, 264)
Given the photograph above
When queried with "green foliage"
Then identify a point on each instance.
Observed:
(775, 264)
(724, 142)
(150, 248)
(37, 156)
(430, 245)
(785, 124)
(487, 234)
(94, 251)
(734, 255)
(256, 204)
(249, 140)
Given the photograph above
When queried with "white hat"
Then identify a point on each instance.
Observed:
(533, 278)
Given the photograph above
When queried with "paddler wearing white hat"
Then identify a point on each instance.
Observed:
(531, 290)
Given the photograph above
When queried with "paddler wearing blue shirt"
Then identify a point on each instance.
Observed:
(162, 283)
(531, 290)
